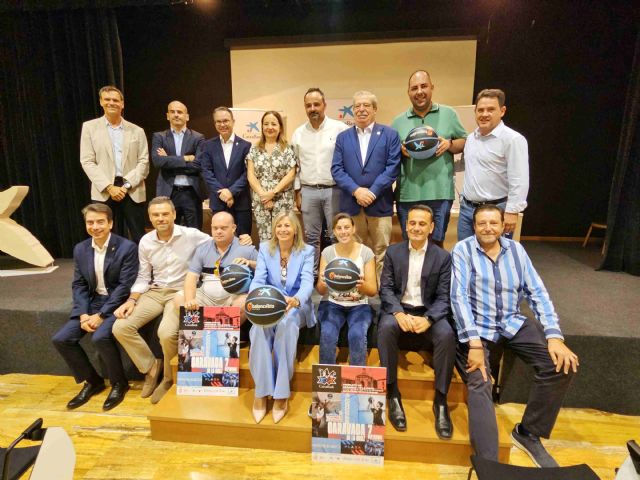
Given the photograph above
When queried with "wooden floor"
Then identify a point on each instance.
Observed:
(118, 445)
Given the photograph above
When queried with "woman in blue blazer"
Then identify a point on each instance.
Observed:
(284, 262)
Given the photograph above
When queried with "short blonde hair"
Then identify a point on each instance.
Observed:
(298, 236)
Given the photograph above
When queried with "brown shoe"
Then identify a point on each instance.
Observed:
(160, 390)
(151, 379)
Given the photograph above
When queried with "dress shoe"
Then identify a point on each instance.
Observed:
(151, 379)
(444, 427)
(161, 390)
(88, 391)
(116, 395)
(279, 413)
(259, 409)
(396, 414)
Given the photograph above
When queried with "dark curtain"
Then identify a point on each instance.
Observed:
(52, 64)
(623, 219)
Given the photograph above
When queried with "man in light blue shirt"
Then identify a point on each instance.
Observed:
(491, 275)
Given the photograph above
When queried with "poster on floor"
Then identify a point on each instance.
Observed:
(208, 351)
(348, 414)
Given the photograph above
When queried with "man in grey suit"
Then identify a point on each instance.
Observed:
(115, 157)
(173, 152)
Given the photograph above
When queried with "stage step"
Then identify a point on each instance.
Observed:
(415, 378)
(227, 421)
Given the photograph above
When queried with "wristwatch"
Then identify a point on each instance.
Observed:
(127, 185)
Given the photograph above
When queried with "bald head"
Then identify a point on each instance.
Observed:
(178, 115)
(223, 229)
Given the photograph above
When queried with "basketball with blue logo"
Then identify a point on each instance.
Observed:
(422, 142)
(236, 279)
(341, 275)
(265, 306)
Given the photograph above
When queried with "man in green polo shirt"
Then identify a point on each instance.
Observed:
(431, 181)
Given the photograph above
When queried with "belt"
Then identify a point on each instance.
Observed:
(318, 186)
(181, 188)
(118, 181)
(485, 202)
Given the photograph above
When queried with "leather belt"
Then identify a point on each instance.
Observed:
(318, 186)
(181, 188)
(485, 202)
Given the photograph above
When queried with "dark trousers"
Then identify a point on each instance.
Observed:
(545, 398)
(67, 342)
(128, 216)
(438, 339)
(241, 217)
(188, 206)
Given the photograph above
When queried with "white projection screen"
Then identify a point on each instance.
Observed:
(277, 78)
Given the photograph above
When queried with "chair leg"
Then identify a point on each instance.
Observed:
(604, 247)
(586, 239)
(470, 472)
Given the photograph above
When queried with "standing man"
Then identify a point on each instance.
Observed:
(173, 152)
(314, 143)
(164, 257)
(114, 155)
(105, 267)
(428, 182)
(496, 166)
(366, 162)
(414, 291)
(224, 169)
(491, 277)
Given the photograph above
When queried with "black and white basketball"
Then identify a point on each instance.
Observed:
(341, 275)
(236, 278)
(422, 142)
(265, 306)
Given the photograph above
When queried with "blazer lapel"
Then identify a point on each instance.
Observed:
(171, 144)
(93, 282)
(220, 153)
(356, 144)
(293, 270)
(427, 266)
(126, 140)
(108, 258)
(105, 132)
(375, 136)
(404, 264)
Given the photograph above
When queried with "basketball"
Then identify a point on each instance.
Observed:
(341, 275)
(265, 306)
(236, 278)
(422, 142)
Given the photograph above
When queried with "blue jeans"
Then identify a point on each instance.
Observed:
(318, 204)
(332, 317)
(441, 213)
(465, 219)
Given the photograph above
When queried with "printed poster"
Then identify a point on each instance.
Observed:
(209, 351)
(348, 414)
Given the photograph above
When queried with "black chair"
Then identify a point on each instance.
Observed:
(15, 461)
(634, 453)
(490, 470)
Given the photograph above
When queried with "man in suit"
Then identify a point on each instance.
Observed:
(105, 267)
(222, 161)
(414, 291)
(366, 162)
(174, 152)
(114, 155)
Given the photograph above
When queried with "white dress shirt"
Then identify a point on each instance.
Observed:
(314, 149)
(413, 294)
(178, 138)
(98, 265)
(227, 147)
(497, 166)
(364, 136)
(165, 264)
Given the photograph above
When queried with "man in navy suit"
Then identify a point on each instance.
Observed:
(222, 161)
(105, 267)
(174, 152)
(414, 291)
(366, 162)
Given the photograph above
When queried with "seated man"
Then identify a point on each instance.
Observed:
(164, 257)
(491, 276)
(207, 262)
(105, 267)
(414, 292)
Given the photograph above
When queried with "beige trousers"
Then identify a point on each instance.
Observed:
(375, 233)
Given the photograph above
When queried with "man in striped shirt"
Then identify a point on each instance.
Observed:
(491, 275)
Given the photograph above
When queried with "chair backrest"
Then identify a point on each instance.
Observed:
(490, 470)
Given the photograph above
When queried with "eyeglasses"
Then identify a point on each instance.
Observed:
(216, 268)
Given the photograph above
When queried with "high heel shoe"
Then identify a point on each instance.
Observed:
(279, 413)
(259, 409)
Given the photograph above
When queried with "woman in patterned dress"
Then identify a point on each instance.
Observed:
(271, 169)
